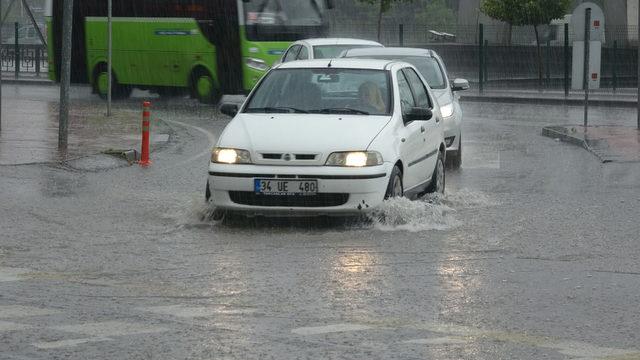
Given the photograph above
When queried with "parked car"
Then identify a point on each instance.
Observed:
(323, 48)
(329, 137)
(431, 66)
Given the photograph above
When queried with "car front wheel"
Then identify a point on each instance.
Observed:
(395, 189)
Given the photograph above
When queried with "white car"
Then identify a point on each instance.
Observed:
(433, 69)
(329, 137)
(310, 49)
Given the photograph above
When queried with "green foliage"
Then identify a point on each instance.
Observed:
(525, 12)
(437, 16)
(384, 5)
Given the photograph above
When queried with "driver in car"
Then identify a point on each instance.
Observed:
(371, 98)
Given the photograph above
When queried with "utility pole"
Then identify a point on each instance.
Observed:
(0, 68)
(109, 54)
(65, 70)
(638, 66)
(587, 68)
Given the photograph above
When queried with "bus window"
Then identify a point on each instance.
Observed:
(279, 20)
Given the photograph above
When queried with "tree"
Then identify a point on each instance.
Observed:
(527, 13)
(384, 6)
(437, 16)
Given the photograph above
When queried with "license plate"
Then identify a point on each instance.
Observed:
(285, 187)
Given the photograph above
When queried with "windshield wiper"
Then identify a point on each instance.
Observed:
(278, 109)
(340, 111)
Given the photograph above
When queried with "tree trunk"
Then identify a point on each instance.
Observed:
(540, 70)
(380, 19)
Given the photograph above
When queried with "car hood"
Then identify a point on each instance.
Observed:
(314, 133)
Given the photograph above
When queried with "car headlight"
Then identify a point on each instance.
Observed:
(257, 64)
(354, 159)
(230, 156)
(446, 110)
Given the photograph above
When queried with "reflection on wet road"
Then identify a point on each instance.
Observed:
(531, 254)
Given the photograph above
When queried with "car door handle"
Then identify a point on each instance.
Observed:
(422, 129)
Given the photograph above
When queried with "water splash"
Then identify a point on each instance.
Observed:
(428, 213)
(194, 213)
(431, 212)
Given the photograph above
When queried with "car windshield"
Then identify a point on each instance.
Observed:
(428, 67)
(333, 51)
(323, 91)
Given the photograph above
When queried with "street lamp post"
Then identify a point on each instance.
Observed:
(109, 55)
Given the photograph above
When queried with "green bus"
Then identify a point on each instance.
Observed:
(210, 47)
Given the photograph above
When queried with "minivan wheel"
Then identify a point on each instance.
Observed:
(395, 189)
(438, 178)
(456, 157)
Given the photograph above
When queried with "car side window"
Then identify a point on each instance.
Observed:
(291, 54)
(303, 54)
(419, 90)
(406, 96)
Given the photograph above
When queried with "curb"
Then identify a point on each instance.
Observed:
(27, 82)
(554, 133)
(547, 101)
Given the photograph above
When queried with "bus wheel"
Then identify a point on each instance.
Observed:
(101, 84)
(202, 87)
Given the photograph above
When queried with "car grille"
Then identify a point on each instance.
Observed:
(318, 200)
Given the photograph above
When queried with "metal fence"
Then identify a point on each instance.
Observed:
(509, 57)
(28, 59)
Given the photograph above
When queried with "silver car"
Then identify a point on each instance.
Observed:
(432, 68)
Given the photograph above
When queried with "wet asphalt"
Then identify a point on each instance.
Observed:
(532, 254)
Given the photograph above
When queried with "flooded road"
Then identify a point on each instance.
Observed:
(531, 254)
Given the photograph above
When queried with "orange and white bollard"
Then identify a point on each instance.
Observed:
(146, 123)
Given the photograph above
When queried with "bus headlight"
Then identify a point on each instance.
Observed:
(354, 159)
(257, 64)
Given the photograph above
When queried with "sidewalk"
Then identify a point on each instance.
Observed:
(602, 97)
(30, 132)
(26, 78)
(608, 143)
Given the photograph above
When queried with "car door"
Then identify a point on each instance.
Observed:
(412, 137)
(429, 128)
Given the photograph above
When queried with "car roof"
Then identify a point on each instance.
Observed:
(389, 51)
(339, 41)
(340, 64)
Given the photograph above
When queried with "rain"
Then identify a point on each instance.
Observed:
(529, 251)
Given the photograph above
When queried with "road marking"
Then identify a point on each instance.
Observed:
(9, 326)
(110, 328)
(183, 311)
(576, 349)
(437, 341)
(12, 274)
(316, 330)
(9, 311)
(68, 343)
(207, 152)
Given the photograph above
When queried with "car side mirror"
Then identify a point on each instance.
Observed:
(418, 114)
(229, 109)
(460, 85)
